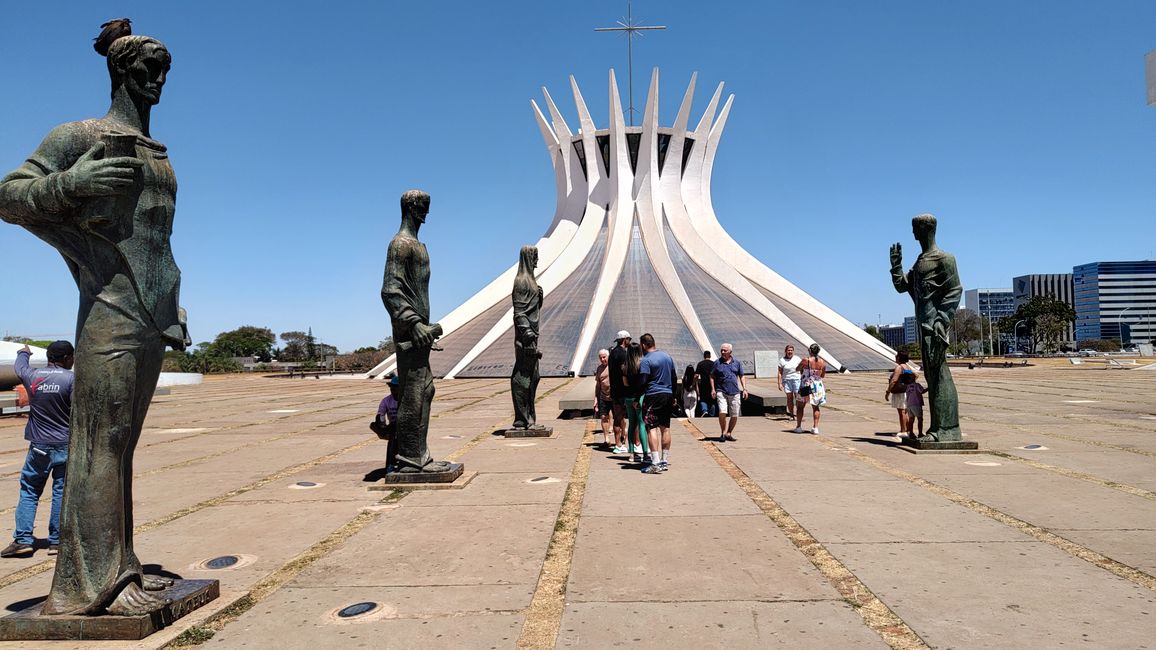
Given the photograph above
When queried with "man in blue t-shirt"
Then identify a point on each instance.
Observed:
(657, 370)
(50, 407)
(728, 388)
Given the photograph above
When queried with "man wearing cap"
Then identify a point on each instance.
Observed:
(618, 388)
(387, 420)
(50, 406)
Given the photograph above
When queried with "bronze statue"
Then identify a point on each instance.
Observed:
(102, 192)
(934, 286)
(527, 298)
(405, 292)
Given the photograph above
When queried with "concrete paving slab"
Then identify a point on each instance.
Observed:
(997, 595)
(312, 633)
(448, 545)
(732, 624)
(820, 463)
(1052, 501)
(1119, 466)
(872, 511)
(739, 557)
(501, 489)
(519, 460)
(1130, 547)
(619, 493)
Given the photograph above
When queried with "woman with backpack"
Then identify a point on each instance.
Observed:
(897, 391)
(811, 390)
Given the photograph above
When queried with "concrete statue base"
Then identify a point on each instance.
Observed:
(536, 431)
(936, 447)
(184, 596)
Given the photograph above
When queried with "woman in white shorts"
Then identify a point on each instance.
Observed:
(896, 393)
(789, 377)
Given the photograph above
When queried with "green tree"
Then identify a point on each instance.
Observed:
(965, 328)
(1043, 318)
(298, 345)
(246, 341)
(1100, 345)
(873, 331)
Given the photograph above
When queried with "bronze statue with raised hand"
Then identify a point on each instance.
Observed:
(934, 286)
(102, 192)
(405, 292)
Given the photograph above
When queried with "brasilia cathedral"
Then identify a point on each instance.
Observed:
(635, 245)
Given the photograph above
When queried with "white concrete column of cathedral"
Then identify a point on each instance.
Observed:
(635, 244)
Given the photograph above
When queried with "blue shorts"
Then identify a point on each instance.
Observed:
(792, 385)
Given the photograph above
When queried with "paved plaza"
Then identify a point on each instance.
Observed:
(776, 540)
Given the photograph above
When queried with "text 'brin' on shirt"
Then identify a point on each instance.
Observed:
(49, 400)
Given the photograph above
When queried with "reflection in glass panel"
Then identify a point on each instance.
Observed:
(563, 312)
(726, 317)
(640, 303)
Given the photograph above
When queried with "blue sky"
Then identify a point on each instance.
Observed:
(294, 128)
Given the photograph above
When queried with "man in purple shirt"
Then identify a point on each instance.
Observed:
(50, 405)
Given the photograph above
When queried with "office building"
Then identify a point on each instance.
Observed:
(910, 330)
(1057, 286)
(1115, 300)
(893, 335)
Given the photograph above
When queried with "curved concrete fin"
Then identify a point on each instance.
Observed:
(561, 129)
(585, 122)
(646, 169)
(707, 118)
(621, 219)
(672, 167)
(547, 132)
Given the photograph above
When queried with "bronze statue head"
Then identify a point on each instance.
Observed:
(140, 64)
(923, 227)
(415, 203)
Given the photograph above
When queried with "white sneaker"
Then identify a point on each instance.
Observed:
(815, 431)
(797, 430)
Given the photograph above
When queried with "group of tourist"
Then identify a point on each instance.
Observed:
(636, 394)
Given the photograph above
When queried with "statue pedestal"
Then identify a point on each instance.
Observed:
(29, 625)
(936, 447)
(532, 432)
(455, 478)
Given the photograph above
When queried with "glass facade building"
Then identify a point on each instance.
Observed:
(1054, 285)
(1115, 300)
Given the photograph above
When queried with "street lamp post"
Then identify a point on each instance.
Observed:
(1016, 330)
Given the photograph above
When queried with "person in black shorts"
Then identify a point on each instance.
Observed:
(706, 405)
(618, 388)
(658, 373)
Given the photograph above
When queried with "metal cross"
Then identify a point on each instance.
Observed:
(631, 29)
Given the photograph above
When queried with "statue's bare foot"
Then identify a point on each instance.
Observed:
(437, 466)
(156, 583)
(134, 601)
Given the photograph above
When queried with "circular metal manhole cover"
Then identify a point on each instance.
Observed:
(1033, 447)
(222, 562)
(306, 485)
(357, 609)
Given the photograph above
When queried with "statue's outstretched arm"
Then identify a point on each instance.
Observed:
(897, 278)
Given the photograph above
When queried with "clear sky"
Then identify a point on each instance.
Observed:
(294, 127)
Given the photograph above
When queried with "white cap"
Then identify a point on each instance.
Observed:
(622, 334)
